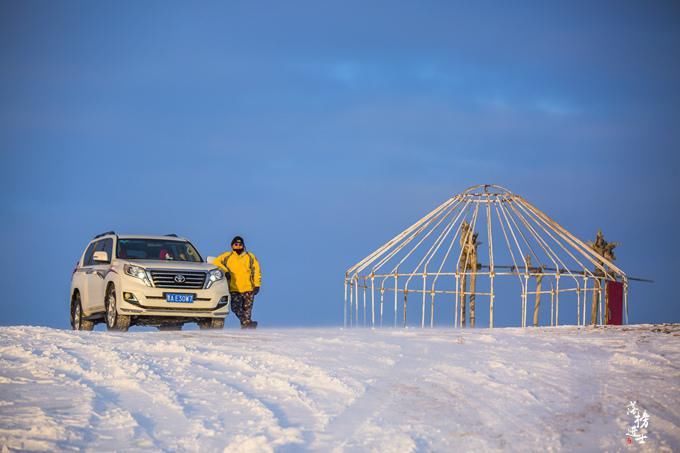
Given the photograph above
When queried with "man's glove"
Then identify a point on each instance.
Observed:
(256, 290)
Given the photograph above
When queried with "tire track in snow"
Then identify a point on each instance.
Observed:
(649, 377)
(118, 382)
(456, 391)
(210, 362)
(37, 395)
(376, 395)
(292, 390)
(387, 390)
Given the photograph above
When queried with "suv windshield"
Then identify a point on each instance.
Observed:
(157, 249)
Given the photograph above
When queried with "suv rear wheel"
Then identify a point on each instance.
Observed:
(77, 320)
(114, 320)
(213, 323)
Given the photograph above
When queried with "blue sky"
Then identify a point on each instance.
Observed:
(318, 130)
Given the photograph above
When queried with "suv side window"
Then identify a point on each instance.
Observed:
(106, 245)
(87, 259)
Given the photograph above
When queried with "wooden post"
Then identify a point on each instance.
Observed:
(539, 281)
(537, 302)
(473, 284)
(552, 305)
(605, 249)
(606, 304)
(463, 284)
(596, 300)
(463, 266)
(468, 262)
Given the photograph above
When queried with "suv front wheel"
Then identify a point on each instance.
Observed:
(114, 320)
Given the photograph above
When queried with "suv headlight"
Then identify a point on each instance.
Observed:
(138, 272)
(214, 275)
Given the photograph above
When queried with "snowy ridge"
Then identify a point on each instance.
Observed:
(543, 389)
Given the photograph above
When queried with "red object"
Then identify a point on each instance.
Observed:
(615, 294)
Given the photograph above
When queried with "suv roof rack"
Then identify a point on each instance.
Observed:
(172, 235)
(104, 234)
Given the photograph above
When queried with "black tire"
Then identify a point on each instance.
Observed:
(170, 327)
(212, 323)
(114, 320)
(77, 321)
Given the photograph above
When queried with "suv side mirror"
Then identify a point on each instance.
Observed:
(100, 256)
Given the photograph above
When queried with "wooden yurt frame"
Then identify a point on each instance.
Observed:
(541, 251)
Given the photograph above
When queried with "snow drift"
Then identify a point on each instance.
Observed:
(541, 389)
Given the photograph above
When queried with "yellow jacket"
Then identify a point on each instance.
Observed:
(244, 270)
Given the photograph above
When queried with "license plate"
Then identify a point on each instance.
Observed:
(179, 298)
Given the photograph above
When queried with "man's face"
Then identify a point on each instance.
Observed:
(237, 246)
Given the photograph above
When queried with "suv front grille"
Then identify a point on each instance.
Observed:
(169, 279)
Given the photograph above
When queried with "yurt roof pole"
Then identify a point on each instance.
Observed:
(399, 236)
(409, 237)
(453, 242)
(524, 239)
(546, 247)
(505, 234)
(415, 247)
(566, 250)
(531, 231)
(401, 246)
(507, 217)
(574, 241)
(433, 250)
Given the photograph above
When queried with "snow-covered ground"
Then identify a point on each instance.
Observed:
(545, 389)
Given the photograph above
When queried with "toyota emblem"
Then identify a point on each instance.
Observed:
(180, 278)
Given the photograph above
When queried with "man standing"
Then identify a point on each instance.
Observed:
(243, 271)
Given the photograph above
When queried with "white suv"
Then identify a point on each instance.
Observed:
(146, 280)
